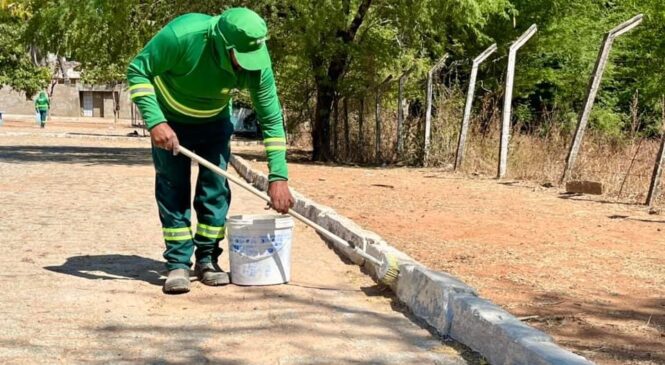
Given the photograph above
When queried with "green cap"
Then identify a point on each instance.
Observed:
(246, 33)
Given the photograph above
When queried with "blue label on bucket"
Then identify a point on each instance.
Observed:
(256, 246)
(256, 271)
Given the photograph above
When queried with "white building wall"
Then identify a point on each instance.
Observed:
(65, 102)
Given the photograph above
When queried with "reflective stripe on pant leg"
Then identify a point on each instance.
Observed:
(177, 234)
(212, 232)
(172, 191)
(179, 247)
(213, 195)
(207, 240)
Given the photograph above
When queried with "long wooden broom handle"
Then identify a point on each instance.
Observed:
(201, 161)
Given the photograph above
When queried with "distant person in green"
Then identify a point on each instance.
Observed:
(182, 83)
(42, 106)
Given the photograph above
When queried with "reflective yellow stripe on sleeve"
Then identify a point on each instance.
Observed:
(276, 148)
(275, 144)
(139, 94)
(139, 90)
(141, 86)
(274, 139)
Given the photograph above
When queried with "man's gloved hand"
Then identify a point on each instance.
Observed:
(280, 196)
(164, 137)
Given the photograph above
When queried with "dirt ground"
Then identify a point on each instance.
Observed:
(589, 272)
(72, 127)
(83, 272)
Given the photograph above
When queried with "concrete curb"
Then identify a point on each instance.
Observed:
(439, 299)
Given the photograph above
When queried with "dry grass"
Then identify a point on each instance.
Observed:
(623, 166)
(592, 280)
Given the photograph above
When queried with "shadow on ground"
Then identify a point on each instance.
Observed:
(112, 267)
(603, 329)
(629, 218)
(304, 157)
(290, 311)
(75, 154)
(131, 134)
(579, 197)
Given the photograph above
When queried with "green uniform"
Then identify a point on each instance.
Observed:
(42, 106)
(184, 76)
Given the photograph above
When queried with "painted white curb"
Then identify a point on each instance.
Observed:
(439, 299)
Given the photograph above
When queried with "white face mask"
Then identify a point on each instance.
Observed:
(220, 45)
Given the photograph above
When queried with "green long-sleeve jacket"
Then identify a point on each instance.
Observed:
(42, 103)
(182, 75)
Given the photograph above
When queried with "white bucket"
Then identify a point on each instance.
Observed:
(260, 249)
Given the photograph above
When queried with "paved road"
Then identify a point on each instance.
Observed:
(82, 278)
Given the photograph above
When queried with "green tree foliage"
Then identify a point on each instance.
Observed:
(331, 49)
(102, 35)
(344, 48)
(555, 67)
(640, 64)
(323, 50)
(17, 70)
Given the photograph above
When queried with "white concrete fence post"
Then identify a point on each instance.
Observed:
(658, 168)
(401, 111)
(508, 100)
(428, 113)
(377, 131)
(594, 86)
(459, 158)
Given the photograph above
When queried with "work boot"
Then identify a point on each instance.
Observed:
(211, 274)
(177, 282)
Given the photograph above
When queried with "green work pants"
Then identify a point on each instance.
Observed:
(211, 198)
(43, 114)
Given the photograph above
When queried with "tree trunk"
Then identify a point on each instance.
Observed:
(63, 69)
(52, 87)
(285, 124)
(116, 103)
(347, 142)
(377, 129)
(59, 65)
(335, 128)
(361, 136)
(326, 87)
(328, 81)
(321, 128)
